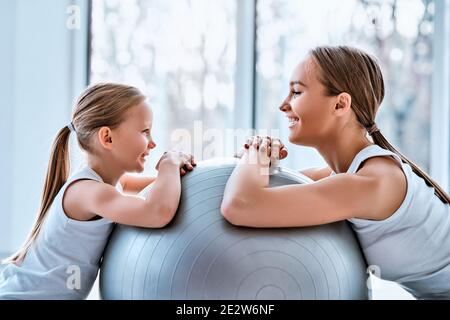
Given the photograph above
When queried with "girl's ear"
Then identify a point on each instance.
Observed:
(105, 137)
(343, 103)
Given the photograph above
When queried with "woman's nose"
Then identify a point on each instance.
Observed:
(285, 106)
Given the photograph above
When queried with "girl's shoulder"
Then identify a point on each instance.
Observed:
(75, 196)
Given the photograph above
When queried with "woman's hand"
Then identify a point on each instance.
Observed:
(185, 162)
(269, 147)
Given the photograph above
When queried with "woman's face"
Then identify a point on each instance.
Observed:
(133, 140)
(308, 109)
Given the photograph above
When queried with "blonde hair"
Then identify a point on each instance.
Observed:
(339, 67)
(100, 105)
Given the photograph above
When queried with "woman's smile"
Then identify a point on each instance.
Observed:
(293, 121)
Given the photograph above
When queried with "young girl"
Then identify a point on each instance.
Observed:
(400, 215)
(61, 257)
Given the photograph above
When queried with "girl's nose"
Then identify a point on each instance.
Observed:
(151, 144)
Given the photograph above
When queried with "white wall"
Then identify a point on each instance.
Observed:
(38, 83)
(7, 11)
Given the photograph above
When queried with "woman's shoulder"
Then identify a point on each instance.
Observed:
(392, 184)
(383, 167)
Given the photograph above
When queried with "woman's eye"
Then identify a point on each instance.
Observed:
(295, 94)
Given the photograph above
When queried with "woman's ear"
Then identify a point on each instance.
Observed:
(343, 103)
(105, 137)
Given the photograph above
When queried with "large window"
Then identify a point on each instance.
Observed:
(181, 54)
(398, 32)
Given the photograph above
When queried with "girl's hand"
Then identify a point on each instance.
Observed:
(274, 147)
(185, 162)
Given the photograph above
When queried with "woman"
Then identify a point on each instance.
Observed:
(401, 216)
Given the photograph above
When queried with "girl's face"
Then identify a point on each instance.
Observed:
(132, 139)
(308, 109)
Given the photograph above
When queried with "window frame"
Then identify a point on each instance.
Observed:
(440, 109)
(245, 76)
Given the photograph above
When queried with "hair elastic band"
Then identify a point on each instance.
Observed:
(372, 129)
(71, 127)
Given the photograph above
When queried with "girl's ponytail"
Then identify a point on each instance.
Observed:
(57, 173)
(102, 104)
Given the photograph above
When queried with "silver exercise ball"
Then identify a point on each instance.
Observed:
(199, 255)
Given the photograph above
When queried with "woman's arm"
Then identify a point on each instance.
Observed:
(317, 173)
(328, 200)
(133, 184)
(248, 202)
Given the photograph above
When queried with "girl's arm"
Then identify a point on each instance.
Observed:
(133, 184)
(155, 211)
(248, 202)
